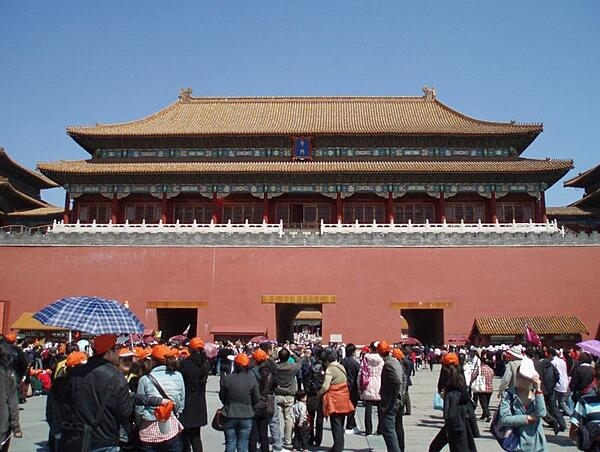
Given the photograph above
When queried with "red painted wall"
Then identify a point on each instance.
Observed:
(479, 281)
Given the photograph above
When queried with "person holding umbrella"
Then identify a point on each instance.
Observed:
(97, 394)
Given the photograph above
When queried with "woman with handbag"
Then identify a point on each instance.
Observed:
(239, 394)
(482, 386)
(159, 428)
(195, 370)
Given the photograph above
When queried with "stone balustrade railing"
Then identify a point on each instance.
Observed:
(443, 228)
(177, 228)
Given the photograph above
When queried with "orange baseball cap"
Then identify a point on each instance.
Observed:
(450, 359)
(397, 353)
(161, 353)
(241, 359)
(76, 359)
(142, 353)
(196, 343)
(11, 338)
(383, 347)
(104, 343)
(126, 353)
(260, 355)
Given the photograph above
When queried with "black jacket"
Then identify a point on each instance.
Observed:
(461, 424)
(239, 394)
(86, 387)
(195, 371)
(352, 367)
(393, 381)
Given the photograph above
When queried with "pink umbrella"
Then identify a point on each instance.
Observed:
(210, 349)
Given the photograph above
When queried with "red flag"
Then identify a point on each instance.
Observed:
(532, 337)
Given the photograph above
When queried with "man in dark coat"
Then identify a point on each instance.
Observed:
(393, 384)
(93, 383)
(194, 370)
(352, 367)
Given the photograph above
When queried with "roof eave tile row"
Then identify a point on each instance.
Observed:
(306, 116)
(501, 325)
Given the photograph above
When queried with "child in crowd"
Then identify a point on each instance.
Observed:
(301, 422)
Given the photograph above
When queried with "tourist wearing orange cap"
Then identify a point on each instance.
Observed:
(18, 360)
(460, 423)
(9, 403)
(88, 390)
(391, 409)
(264, 410)
(239, 394)
(195, 370)
(162, 432)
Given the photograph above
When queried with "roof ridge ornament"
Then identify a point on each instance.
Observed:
(185, 94)
(429, 93)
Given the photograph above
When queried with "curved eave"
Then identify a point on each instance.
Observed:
(67, 172)
(313, 116)
(24, 199)
(38, 180)
(583, 180)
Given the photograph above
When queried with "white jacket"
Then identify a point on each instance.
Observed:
(375, 363)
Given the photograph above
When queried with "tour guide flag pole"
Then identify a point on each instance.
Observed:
(532, 337)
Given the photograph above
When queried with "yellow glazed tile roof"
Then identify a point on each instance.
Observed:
(27, 322)
(381, 166)
(502, 325)
(244, 116)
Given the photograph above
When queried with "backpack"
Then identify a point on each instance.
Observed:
(365, 374)
(507, 436)
(315, 378)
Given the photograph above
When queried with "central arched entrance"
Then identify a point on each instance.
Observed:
(287, 308)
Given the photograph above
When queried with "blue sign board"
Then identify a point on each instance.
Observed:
(302, 148)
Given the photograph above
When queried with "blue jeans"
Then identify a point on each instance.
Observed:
(171, 445)
(237, 434)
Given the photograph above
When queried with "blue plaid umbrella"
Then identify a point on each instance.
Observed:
(94, 315)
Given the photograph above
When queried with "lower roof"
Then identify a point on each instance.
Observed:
(513, 326)
(26, 322)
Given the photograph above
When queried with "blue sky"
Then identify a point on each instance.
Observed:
(81, 62)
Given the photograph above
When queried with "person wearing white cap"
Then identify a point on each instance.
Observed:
(523, 406)
(514, 357)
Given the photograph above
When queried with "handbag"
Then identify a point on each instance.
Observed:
(507, 436)
(438, 402)
(218, 421)
(77, 436)
(161, 413)
(478, 384)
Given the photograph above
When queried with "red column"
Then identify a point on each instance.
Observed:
(339, 208)
(389, 207)
(543, 206)
(494, 215)
(266, 208)
(114, 209)
(67, 208)
(442, 208)
(164, 208)
(215, 209)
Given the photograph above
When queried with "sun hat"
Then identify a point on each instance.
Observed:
(383, 347)
(104, 343)
(196, 343)
(527, 369)
(515, 352)
(241, 359)
(76, 359)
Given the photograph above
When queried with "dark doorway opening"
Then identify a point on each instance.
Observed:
(173, 322)
(296, 215)
(285, 314)
(427, 325)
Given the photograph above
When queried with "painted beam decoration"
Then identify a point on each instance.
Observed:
(303, 150)
(329, 190)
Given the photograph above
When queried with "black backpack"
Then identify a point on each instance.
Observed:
(314, 379)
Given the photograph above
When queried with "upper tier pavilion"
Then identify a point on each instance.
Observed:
(303, 160)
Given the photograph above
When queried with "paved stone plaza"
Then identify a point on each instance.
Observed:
(420, 427)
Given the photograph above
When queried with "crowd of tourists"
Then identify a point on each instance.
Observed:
(276, 397)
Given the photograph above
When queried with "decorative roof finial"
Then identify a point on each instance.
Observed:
(185, 94)
(429, 93)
